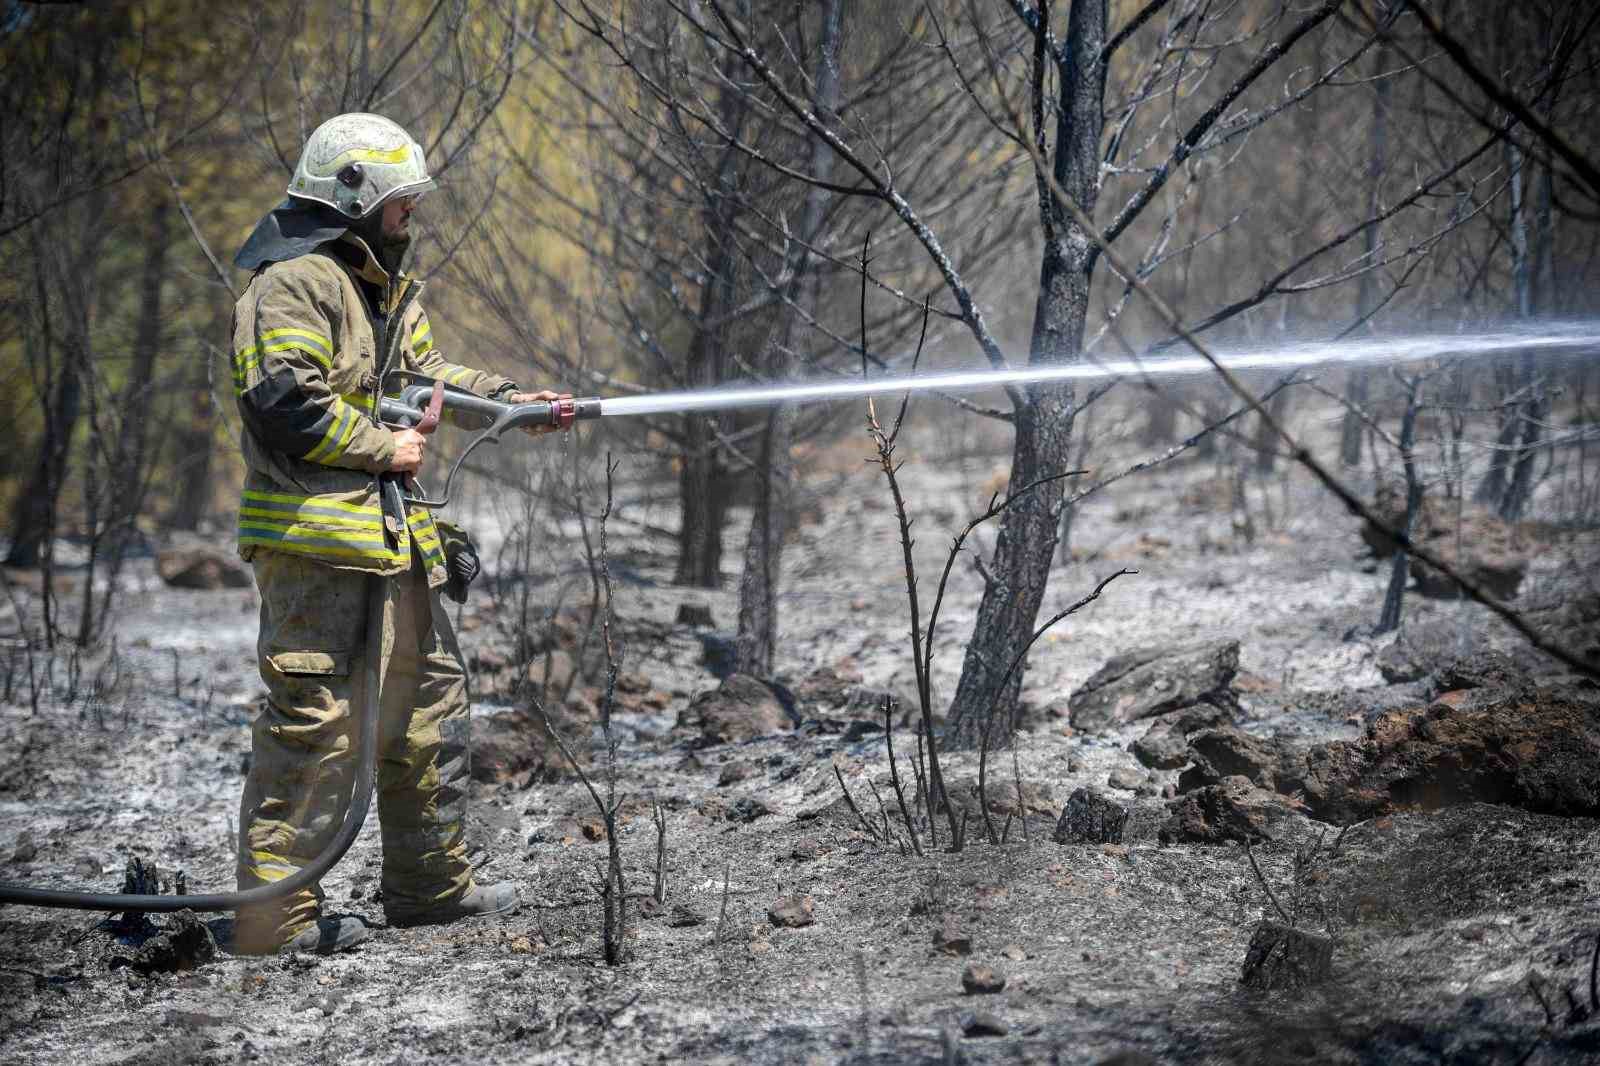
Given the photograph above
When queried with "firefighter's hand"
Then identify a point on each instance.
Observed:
(408, 444)
(545, 396)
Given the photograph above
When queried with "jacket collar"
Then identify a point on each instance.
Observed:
(359, 260)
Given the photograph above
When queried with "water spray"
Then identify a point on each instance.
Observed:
(417, 395)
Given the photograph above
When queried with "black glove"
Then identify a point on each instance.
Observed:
(461, 560)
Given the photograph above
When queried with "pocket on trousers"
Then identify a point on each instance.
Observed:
(311, 663)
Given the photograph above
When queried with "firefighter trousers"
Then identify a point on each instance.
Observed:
(312, 650)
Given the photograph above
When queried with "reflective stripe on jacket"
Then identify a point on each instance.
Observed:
(307, 355)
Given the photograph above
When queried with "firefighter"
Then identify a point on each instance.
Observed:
(327, 313)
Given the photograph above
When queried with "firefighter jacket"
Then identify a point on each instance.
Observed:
(312, 338)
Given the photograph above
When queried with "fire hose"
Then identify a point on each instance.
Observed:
(418, 406)
(365, 754)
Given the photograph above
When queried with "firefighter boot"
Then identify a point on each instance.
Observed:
(479, 901)
(327, 935)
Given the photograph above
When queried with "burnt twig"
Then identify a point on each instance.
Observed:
(1266, 887)
(894, 774)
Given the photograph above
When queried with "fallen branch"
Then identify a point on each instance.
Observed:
(850, 801)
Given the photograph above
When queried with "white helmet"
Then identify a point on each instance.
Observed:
(355, 162)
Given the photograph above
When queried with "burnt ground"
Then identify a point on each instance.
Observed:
(1440, 918)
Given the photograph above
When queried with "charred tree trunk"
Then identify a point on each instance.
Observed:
(1026, 542)
(195, 438)
(135, 417)
(33, 515)
(1509, 481)
(763, 555)
(1400, 572)
(703, 492)
(1357, 387)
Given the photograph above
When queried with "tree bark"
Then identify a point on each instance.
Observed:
(1026, 542)
(1357, 386)
(1400, 571)
(33, 515)
(703, 493)
(769, 524)
(136, 415)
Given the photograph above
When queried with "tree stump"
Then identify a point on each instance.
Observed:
(1281, 957)
(1090, 818)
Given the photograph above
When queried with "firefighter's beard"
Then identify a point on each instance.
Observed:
(390, 248)
(392, 251)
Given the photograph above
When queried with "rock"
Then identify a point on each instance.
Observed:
(747, 809)
(1421, 647)
(1229, 752)
(736, 771)
(806, 850)
(949, 940)
(512, 743)
(742, 708)
(1014, 952)
(793, 912)
(564, 831)
(1165, 745)
(1126, 778)
(1090, 818)
(1232, 809)
(1037, 797)
(1284, 958)
(1537, 749)
(1480, 670)
(26, 850)
(694, 614)
(830, 686)
(551, 671)
(1151, 681)
(981, 979)
(184, 943)
(199, 566)
(1494, 553)
(982, 1023)
(1161, 748)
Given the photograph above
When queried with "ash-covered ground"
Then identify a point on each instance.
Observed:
(1461, 930)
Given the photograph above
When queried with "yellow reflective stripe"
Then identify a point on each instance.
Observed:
(458, 375)
(269, 867)
(370, 155)
(295, 331)
(289, 545)
(296, 531)
(314, 344)
(284, 517)
(303, 346)
(314, 501)
(359, 400)
(337, 438)
(426, 534)
(244, 361)
(424, 331)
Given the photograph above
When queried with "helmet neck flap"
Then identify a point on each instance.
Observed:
(290, 230)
